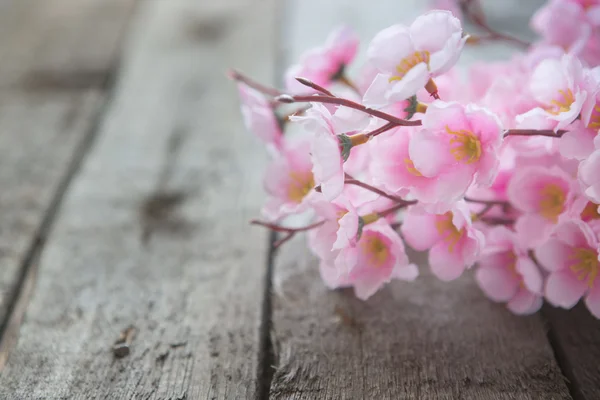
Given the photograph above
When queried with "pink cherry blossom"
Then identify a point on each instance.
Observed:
(378, 257)
(558, 87)
(563, 23)
(544, 196)
(407, 57)
(453, 241)
(571, 257)
(589, 176)
(322, 65)
(507, 274)
(458, 146)
(578, 141)
(259, 116)
(393, 170)
(289, 181)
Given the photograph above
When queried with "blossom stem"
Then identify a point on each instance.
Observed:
(284, 239)
(487, 202)
(534, 132)
(312, 85)
(239, 77)
(497, 221)
(374, 190)
(485, 209)
(279, 228)
(393, 209)
(468, 7)
(349, 104)
(381, 130)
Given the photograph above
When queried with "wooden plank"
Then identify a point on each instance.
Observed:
(575, 335)
(153, 232)
(46, 122)
(422, 340)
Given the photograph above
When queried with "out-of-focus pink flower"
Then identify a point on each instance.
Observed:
(322, 65)
(578, 141)
(589, 176)
(558, 87)
(259, 117)
(378, 257)
(289, 181)
(458, 146)
(407, 57)
(544, 196)
(453, 241)
(571, 257)
(448, 5)
(507, 274)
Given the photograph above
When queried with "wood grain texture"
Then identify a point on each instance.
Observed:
(154, 232)
(43, 132)
(424, 340)
(575, 335)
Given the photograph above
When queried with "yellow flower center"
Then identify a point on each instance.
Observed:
(586, 265)
(300, 185)
(410, 167)
(378, 252)
(562, 103)
(595, 118)
(448, 231)
(590, 212)
(464, 146)
(552, 202)
(409, 63)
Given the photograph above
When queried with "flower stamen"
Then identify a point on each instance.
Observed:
(467, 146)
(586, 265)
(409, 63)
(552, 201)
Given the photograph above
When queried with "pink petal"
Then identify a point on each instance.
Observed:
(389, 47)
(446, 265)
(563, 289)
(525, 303)
(532, 277)
(498, 284)
(554, 255)
(419, 230)
(592, 300)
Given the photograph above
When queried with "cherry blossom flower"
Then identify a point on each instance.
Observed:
(558, 87)
(507, 274)
(544, 196)
(453, 241)
(323, 65)
(289, 181)
(458, 146)
(589, 176)
(407, 57)
(378, 257)
(571, 257)
(259, 117)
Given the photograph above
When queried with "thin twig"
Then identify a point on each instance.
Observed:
(381, 130)
(534, 132)
(491, 202)
(313, 85)
(374, 190)
(239, 77)
(347, 103)
(279, 228)
(468, 8)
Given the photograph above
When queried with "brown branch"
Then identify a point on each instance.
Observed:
(239, 77)
(534, 132)
(347, 103)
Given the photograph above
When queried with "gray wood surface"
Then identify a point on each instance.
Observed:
(153, 231)
(423, 340)
(49, 101)
(575, 335)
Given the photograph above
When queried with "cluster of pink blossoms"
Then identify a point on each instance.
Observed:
(499, 173)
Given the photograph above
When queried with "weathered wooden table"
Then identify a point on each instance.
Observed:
(127, 183)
